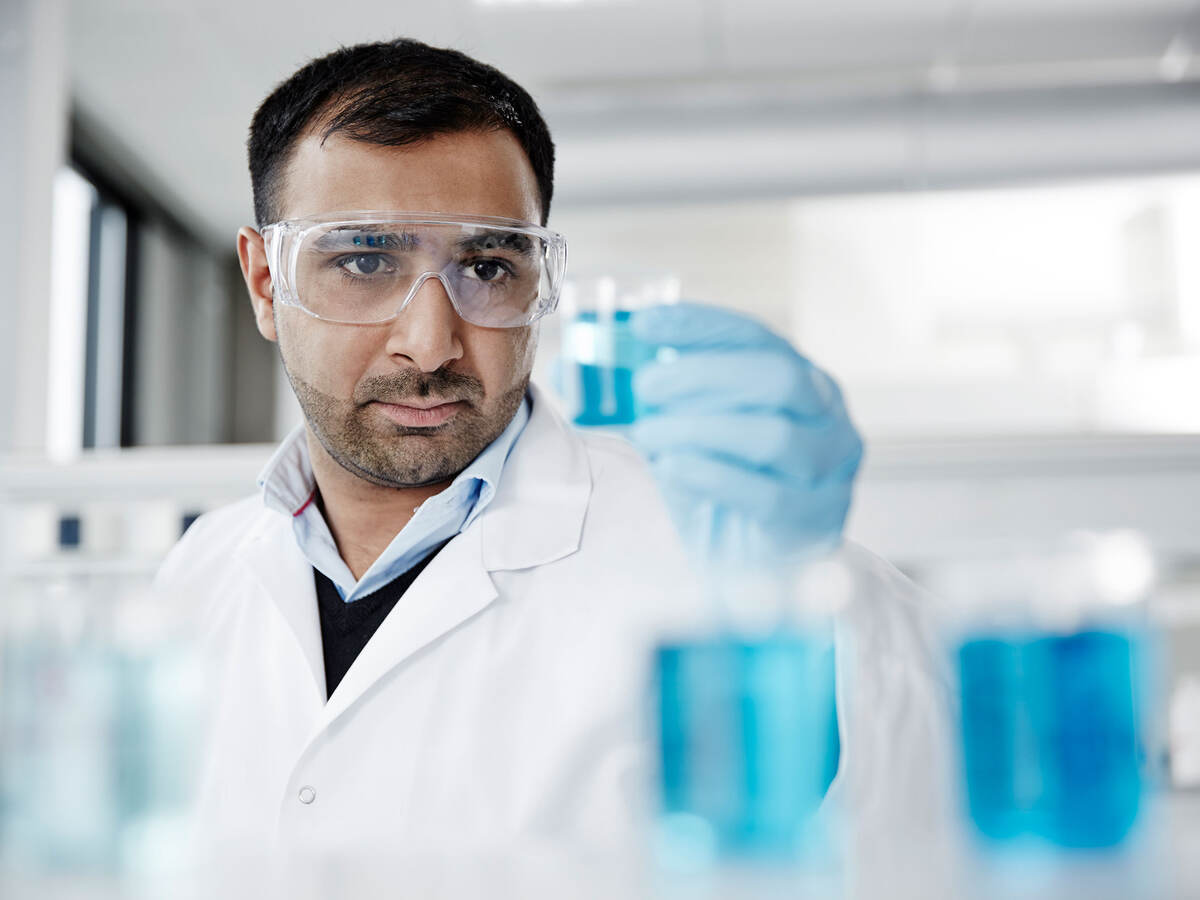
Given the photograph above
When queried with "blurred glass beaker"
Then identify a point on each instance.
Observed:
(749, 742)
(1051, 654)
(1050, 736)
(747, 717)
(599, 351)
(100, 721)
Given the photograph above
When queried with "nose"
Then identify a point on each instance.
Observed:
(426, 333)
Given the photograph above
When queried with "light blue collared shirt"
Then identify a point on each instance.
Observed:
(288, 486)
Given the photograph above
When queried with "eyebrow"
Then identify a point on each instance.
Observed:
(355, 237)
(497, 240)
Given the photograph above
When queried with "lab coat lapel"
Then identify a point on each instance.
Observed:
(451, 589)
(535, 518)
(538, 512)
(287, 576)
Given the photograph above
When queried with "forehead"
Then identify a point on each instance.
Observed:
(467, 173)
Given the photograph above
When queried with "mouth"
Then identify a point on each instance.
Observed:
(416, 413)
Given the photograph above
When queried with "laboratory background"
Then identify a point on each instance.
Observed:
(981, 216)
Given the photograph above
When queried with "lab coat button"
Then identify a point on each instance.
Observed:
(307, 795)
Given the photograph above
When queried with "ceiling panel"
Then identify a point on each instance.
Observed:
(1015, 31)
(573, 43)
(856, 35)
(272, 38)
(717, 163)
(1083, 8)
(1009, 41)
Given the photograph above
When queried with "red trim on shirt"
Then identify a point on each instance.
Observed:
(306, 502)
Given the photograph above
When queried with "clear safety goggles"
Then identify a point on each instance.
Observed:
(363, 268)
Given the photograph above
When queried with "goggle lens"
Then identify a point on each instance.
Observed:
(365, 272)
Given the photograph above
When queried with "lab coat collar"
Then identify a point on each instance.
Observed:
(538, 512)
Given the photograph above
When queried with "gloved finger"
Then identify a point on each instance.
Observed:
(697, 326)
(746, 379)
(764, 498)
(804, 452)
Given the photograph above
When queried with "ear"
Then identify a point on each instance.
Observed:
(253, 256)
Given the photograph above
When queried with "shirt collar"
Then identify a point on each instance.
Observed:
(287, 480)
(289, 485)
(476, 484)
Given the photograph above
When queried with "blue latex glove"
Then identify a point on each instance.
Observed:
(742, 431)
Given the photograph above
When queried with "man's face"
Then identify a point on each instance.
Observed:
(412, 401)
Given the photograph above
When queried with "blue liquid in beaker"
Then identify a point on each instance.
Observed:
(1050, 737)
(749, 742)
(59, 801)
(604, 354)
(96, 743)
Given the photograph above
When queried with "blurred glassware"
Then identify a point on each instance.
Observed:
(1050, 742)
(749, 743)
(100, 724)
(1184, 724)
(599, 352)
(1053, 656)
(746, 709)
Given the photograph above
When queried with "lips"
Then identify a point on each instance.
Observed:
(414, 413)
(416, 404)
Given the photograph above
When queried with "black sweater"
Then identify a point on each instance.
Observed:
(346, 627)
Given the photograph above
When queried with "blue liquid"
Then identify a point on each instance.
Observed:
(1050, 737)
(92, 741)
(749, 740)
(605, 354)
(60, 800)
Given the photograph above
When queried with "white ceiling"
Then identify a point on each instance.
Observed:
(175, 82)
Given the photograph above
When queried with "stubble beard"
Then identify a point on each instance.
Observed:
(386, 454)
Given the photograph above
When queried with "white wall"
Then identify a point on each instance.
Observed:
(33, 123)
(921, 503)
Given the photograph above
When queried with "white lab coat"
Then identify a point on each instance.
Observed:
(504, 697)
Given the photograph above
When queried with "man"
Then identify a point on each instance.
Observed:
(434, 624)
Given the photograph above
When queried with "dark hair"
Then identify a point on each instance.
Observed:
(392, 93)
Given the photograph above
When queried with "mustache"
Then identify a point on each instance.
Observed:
(441, 384)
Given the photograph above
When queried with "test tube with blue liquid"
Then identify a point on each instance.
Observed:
(1052, 656)
(599, 350)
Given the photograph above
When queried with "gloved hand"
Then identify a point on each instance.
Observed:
(742, 432)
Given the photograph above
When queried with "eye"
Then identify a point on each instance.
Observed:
(362, 265)
(487, 269)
